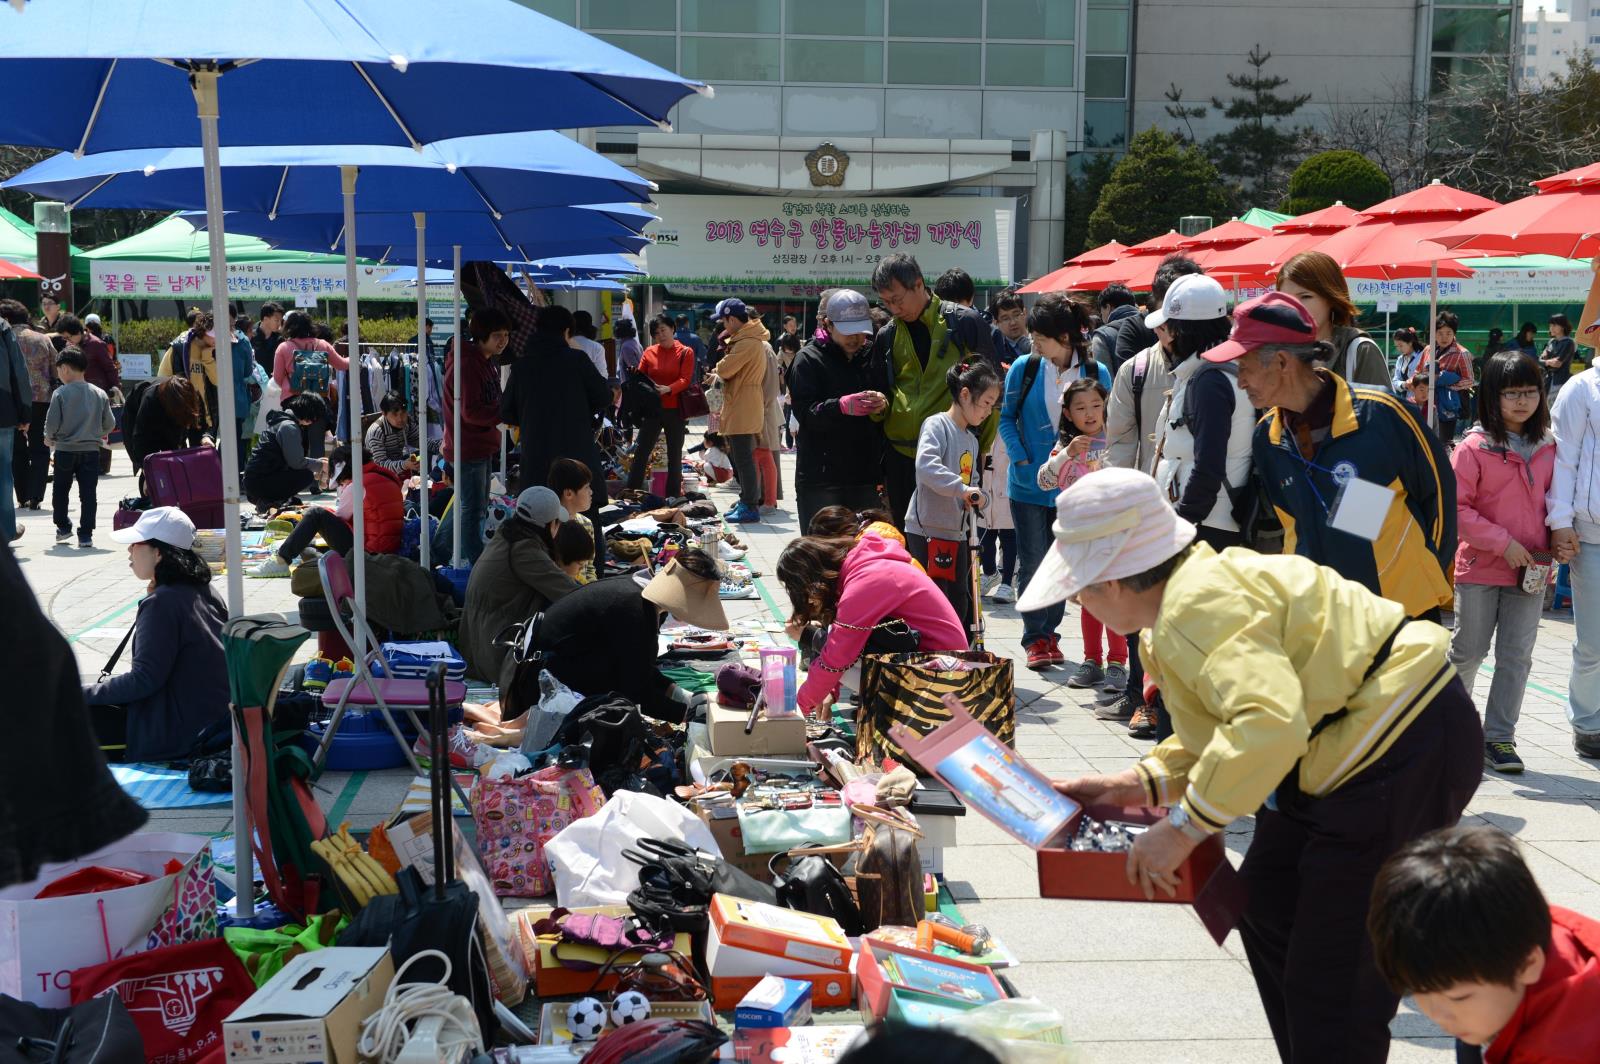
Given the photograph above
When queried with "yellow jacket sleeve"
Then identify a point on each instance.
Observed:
(743, 356)
(1164, 771)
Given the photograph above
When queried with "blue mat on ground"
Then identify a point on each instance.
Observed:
(160, 787)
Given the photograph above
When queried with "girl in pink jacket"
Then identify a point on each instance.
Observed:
(851, 585)
(1503, 468)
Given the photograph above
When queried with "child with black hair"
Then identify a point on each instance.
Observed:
(573, 483)
(391, 441)
(575, 550)
(281, 464)
(1503, 467)
(938, 521)
(1458, 923)
(79, 417)
(716, 467)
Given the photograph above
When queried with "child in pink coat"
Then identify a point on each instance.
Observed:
(1503, 468)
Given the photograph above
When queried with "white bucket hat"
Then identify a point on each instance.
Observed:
(1110, 524)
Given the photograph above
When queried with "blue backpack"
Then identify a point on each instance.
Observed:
(311, 372)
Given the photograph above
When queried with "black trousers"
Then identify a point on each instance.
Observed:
(110, 724)
(671, 422)
(899, 481)
(317, 521)
(742, 453)
(814, 497)
(274, 489)
(1310, 869)
(958, 589)
(82, 468)
(30, 460)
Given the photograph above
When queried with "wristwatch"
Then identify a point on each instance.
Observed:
(1179, 818)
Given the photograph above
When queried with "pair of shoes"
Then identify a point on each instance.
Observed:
(1502, 757)
(1116, 680)
(1587, 744)
(1122, 709)
(273, 567)
(85, 543)
(729, 553)
(1056, 657)
(1143, 724)
(987, 583)
(1005, 593)
(319, 671)
(732, 590)
(1040, 655)
(1088, 674)
(743, 514)
(63, 538)
(462, 749)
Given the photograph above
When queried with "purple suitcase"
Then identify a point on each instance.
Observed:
(190, 479)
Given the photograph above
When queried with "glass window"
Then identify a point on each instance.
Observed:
(1106, 31)
(1476, 32)
(1105, 125)
(1450, 73)
(935, 18)
(628, 15)
(658, 48)
(843, 61)
(730, 58)
(1105, 76)
(1032, 20)
(930, 63)
(565, 10)
(730, 16)
(1044, 65)
(835, 18)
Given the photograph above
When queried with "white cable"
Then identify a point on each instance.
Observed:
(384, 1034)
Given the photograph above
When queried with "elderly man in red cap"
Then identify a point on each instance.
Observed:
(1296, 695)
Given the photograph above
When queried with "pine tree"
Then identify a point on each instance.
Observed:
(1157, 182)
(1179, 111)
(1256, 155)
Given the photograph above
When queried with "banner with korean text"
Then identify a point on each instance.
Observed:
(282, 282)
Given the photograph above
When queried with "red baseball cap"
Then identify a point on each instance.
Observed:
(1275, 318)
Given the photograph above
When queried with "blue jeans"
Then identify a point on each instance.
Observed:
(472, 495)
(8, 505)
(1034, 537)
(1583, 688)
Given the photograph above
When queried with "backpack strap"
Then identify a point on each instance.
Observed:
(1141, 370)
(1351, 354)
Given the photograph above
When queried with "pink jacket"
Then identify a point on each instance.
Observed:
(1498, 498)
(876, 582)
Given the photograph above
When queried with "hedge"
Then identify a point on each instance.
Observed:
(154, 336)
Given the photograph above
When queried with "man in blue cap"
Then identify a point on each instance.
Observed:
(742, 370)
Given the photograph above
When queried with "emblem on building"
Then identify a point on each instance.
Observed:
(827, 165)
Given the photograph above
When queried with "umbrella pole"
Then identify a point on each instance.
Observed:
(352, 383)
(207, 105)
(1433, 345)
(455, 414)
(424, 367)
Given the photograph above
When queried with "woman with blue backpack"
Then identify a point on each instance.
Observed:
(304, 363)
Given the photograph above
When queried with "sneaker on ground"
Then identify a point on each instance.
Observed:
(1116, 678)
(1039, 654)
(1088, 674)
(63, 538)
(274, 566)
(1005, 593)
(731, 590)
(85, 544)
(729, 553)
(1122, 709)
(743, 514)
(1143, 724)
(1056, 657)
(463, 750)
(1502, 757)
(987, 583)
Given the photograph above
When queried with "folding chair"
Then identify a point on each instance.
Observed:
(384, 693)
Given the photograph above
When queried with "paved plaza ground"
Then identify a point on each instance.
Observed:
(1135, 982)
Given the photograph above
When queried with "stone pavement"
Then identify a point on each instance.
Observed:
(1135, 982)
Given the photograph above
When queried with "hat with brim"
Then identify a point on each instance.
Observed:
(689, 598)
(1110, 524)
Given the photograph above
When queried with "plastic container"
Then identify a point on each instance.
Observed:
(362, 743)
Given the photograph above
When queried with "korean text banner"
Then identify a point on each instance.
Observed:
(282, 282)
(781, 240)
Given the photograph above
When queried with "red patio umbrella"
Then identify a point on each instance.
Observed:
(1201, 248)
(1258, 261)
(1156, 249)
(1059, 279)
(10, 271)
(1583, 175)
(1564, 221)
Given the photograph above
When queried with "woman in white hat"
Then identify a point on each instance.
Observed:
(178, 685)
(1297, 696)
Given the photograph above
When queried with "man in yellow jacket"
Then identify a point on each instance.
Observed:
(743, 372)
(1297, 696)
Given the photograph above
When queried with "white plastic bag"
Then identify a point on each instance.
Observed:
(271, 399)
(586, 856)
(556, 700)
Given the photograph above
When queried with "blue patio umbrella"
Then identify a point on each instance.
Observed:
(106, 75)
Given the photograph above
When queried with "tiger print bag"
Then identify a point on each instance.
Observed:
(909, 689)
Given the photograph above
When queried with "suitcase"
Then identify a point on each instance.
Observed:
(126, 516)
(190, 479)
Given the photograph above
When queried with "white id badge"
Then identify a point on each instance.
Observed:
(1360, 507)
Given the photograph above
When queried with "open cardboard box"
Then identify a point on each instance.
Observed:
(875, 986)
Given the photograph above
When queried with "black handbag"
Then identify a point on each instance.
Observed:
(676, 882)
(813, 884)
(608, 734)
(97, 1031)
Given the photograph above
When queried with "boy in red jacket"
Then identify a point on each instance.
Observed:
(1458, 922)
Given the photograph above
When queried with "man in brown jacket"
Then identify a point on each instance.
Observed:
(743, 371)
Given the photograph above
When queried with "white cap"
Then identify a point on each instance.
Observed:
(847, 311)
(1110, 524)
(91, 319)
(1192, 297)
(168, 524)
(539, 505)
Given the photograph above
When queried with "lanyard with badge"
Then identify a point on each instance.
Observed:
(1358, 507)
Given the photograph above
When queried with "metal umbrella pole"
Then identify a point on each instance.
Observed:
(353, 324)
(424, 368)
(1433, 346)
(455, 414)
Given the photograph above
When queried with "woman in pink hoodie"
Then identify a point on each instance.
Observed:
(1503, 468)
(852, 585)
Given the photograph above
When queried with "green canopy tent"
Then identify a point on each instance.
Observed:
(1264, 218)
(174, 239)
(19, 244)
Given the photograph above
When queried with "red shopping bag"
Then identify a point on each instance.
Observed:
(177, 995)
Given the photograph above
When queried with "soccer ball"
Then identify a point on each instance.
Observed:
(630, 1006)
(586, 1019)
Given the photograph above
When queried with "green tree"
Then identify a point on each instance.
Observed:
(1331, 176)
(1254, 154)
(1179, 111)
(1156, 183)
(1083, 193)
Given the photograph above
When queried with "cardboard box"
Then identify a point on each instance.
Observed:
(735, 972)
(799, 936)
(553, 979)
(553, 1018)
(723, 820)
(311, 1011)
(775, 1002)
(1104, 876)
(942, 978)
(774, 736)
